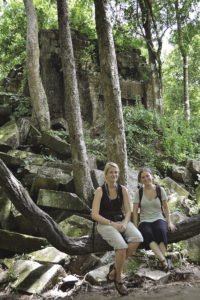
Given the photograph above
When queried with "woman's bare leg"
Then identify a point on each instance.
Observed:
(132, 247)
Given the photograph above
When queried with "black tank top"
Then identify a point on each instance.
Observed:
(111, 207)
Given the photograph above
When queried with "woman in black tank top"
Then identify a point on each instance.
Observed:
(111, 209)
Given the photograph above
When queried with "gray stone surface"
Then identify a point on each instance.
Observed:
(56, 144)
(97, 276)
(20, 243)
(9, 134)
(50, 255)
(61, 200)
(27, 157)
(173, 186)
(35, 278)
(76, 226)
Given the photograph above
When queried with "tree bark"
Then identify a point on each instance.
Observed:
(184, 55)
(154, 55)
(38, 96)
(114, 123)
(82, 179)
(50, 230)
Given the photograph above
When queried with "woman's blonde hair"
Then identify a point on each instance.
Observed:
(109, 165)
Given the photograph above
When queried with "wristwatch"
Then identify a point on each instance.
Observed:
(110, 222)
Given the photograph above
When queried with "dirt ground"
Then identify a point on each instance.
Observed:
(180, 286)
(183, 286)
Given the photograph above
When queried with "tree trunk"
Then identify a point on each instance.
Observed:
(38, 96)
(50, 230)
(183, 51)
(154, 56)
(81, 172)
(114, 124)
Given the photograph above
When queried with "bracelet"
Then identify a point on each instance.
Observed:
(110, 222)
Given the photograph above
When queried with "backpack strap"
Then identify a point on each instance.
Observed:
(158, 193)
(140, 196)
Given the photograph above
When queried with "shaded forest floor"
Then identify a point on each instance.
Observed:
(181, 285)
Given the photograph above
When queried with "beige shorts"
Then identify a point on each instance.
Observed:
(119, 240)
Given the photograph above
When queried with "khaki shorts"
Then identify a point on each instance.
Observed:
(119, 240)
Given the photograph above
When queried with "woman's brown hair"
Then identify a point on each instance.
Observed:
(143, 170)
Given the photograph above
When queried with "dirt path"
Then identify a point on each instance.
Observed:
(175, 291)
(181, 287)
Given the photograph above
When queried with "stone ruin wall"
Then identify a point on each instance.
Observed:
(133, 71)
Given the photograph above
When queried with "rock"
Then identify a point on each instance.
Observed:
(10, 160)
(132, 182)
(50, 178)
(92, 161)
(22, 224)
(156, 275)
(5, 208)
(50, 255)
(97, 276)
(83, 263)
(193, 166)
(24, 126)
(177, 217)
(178, 173)
(27, 157)
(174, 187)
(61, 200)
(4, 147)
(35, 278)
(59, 124)
(198, 195)
(193, 245)
(174, 201)
(5, 113)
(69, 281)
(56, 144)
(97, 177)
(76, 226)
(20, 243)
(64, 166)
(5, 276)
(9, 134)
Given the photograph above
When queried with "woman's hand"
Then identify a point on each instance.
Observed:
(171, 227)
(119, 226)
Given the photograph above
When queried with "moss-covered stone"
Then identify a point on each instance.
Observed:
(9, 134)
(174, 187)
(56, 144)
(50, 255)
(198, 195)
(62, 200)
(76, 226)
(35, 278)
(27, 157)
(5, 208)
(20, 243)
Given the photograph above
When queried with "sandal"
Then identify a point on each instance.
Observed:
(121, 288)
(164, 265)
(111, 269)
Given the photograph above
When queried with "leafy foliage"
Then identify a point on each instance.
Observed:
(157, 140)
(23, 108)
(82, 17)
(13, 30)
(173, 94)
